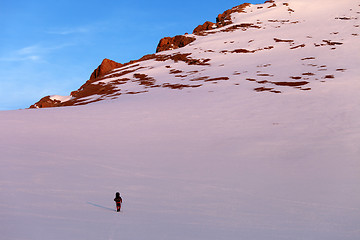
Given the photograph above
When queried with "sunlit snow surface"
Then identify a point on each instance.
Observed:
(217, 162)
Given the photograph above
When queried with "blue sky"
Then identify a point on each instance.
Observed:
(52, 47)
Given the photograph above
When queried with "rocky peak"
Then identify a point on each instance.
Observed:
(106, 66)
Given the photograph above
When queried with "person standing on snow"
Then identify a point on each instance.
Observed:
(118, 201)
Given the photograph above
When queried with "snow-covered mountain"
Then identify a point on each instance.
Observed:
(276, 47)
(249, 128)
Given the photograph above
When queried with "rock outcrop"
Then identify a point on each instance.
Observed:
(169, 43)
(46, 102)
(206, 26)
(106, 66)
(221, 20)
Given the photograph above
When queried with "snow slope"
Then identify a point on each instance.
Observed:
(220, 161)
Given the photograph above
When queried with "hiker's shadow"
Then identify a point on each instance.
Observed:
(99, 206)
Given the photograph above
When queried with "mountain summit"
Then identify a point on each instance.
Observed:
(276, 47)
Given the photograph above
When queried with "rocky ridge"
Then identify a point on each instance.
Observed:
(166, 43)
(211, 55)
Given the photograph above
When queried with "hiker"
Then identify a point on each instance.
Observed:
(118, 201)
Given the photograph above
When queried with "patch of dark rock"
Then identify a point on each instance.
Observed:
(343, 18)
(291, 84)
(266, 48)
(175, 71)
(274, 5)
(278, 21)
(283, 40)
(331, 43)
(308, 58)
(265, 89)
(192, 72)
(180, 76)
(298, 46)
(179, 86)
(118, 74)
(308, 74)
(137, 92)
(243, 26)
(264, 65)
(265, 75)
(241, 50)
(184, 57)
(144, 79)
(217, 79)
(200, 78)
(120, 81)
(251, 79)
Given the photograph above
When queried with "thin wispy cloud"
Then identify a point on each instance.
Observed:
(35, 52)
(68, 31)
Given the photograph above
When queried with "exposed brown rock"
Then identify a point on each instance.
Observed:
(179, 86)
(291, 84)
(46, 102)
(225, 18)
(168, 43)
(175, 71)
(283, 40)
(298, 46)
(221, 20)
(217, 79)
(265, 89)
(106, 66)
(144, 79)
(274, 5)
(242, 26)
(206, 26)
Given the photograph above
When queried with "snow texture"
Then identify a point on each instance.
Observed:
(217, 162)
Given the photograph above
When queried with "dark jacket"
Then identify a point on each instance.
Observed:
(118, 199)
